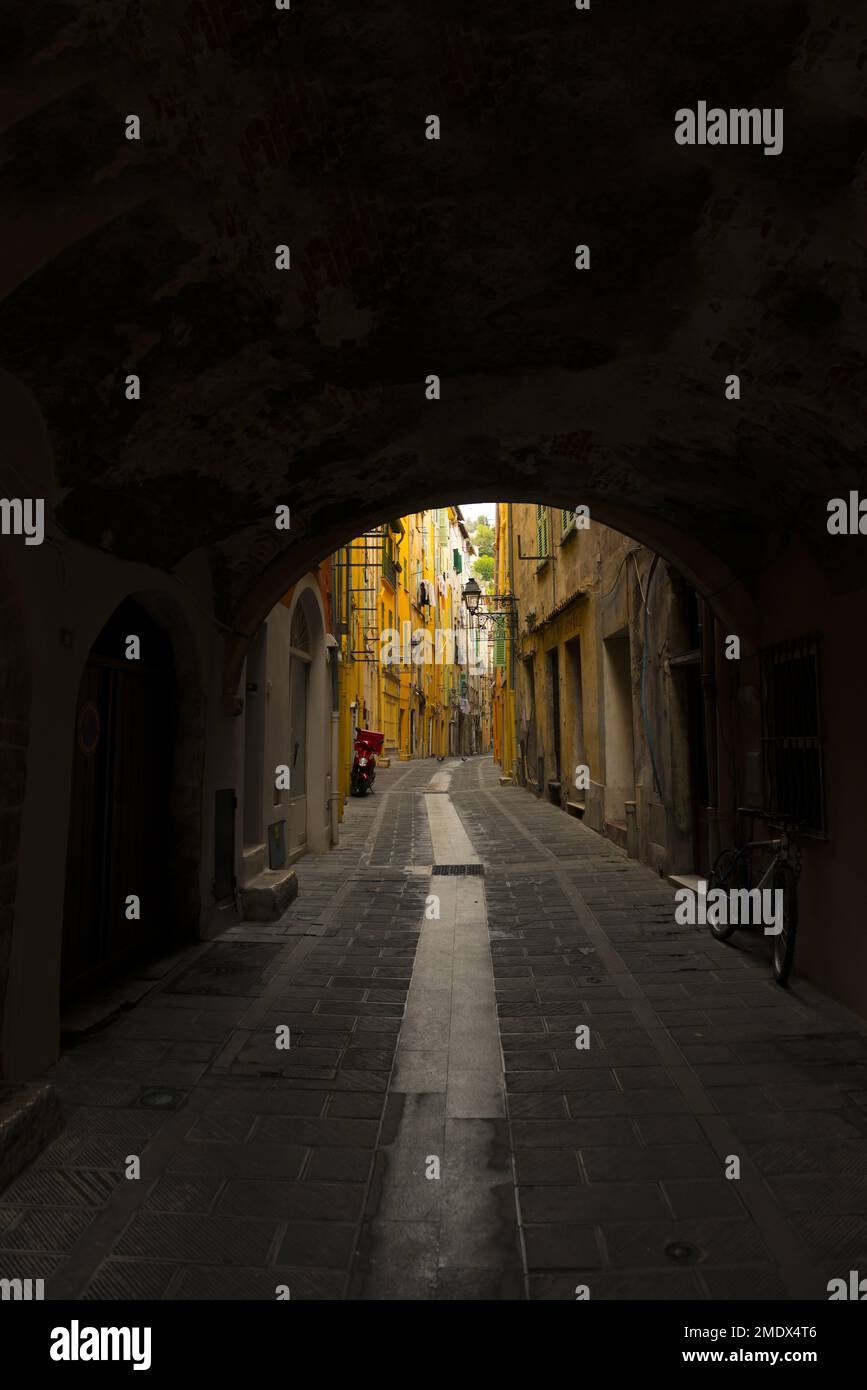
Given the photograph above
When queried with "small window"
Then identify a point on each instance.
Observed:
(793, 733)
(299, 632)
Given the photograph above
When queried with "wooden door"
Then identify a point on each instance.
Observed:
(119, 842)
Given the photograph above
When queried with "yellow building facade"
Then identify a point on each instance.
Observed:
(402, 630)
(602, 710)
(503, 672)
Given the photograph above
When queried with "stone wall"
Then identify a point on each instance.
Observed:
(14, 738)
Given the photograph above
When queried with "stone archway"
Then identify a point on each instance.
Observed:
(728, 592)
(553, 384)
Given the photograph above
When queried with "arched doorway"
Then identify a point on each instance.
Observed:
(119, 844)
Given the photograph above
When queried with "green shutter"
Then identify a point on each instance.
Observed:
(500, 642)
(458, 562)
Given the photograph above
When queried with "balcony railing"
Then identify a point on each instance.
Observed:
(389, 570)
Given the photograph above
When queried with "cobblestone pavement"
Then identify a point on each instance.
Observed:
(432, 1016)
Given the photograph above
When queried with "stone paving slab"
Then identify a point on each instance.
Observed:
(565, 1166)
(580, 935)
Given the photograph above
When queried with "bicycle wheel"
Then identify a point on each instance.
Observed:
(784, 943)
(728, 872)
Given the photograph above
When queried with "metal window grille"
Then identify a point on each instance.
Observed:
(793, 732)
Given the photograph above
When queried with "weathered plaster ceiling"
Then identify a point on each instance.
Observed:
(455, 257)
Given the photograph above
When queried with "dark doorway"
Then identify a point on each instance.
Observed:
(254, 739)
(619, 739)
(698, 788)
(553, 663)
(575, 796)
(120, 825)
(576, 695)
(533, 760)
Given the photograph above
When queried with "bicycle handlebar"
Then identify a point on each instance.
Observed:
(772, 817)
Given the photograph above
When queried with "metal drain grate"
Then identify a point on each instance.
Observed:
(458, 869)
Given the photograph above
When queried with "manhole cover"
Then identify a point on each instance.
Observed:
(682, 1252)
(162, 1098)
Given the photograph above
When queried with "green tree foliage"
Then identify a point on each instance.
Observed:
(483, 538)
(483, 568)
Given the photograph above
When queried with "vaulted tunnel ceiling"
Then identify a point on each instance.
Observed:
(455, 257)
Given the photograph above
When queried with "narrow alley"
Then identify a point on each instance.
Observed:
(432, 1130)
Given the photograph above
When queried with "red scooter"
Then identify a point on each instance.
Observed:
(367, 745)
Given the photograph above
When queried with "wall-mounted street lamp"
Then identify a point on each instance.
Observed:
(495, 605)
(472, 594)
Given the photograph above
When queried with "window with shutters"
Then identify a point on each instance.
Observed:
(500, 640)
(543, 539)
(389, 567)
(793, 733)
(442, 537)
(567, 522)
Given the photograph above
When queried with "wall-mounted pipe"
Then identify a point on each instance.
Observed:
(648, 734)
(334, 789)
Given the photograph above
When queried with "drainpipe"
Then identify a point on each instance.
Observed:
(645, 718)
(334, 788)
(513, 665)
(708, 690)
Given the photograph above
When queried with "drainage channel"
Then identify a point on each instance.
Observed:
(442, 1222)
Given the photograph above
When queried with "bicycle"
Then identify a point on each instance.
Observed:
(733, 870)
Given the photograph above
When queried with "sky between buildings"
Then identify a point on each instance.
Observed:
(471, 510)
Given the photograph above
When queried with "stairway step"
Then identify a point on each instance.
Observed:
(690, 881)
(254, 859)
(30, 1117)
(266, 897)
